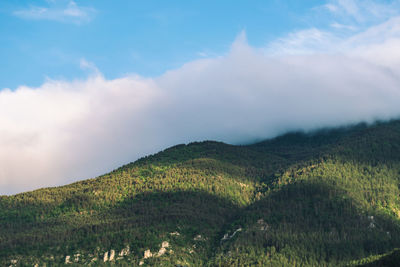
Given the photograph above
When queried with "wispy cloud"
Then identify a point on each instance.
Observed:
(330, 7)
(90, 66)
(307, 41)
(343, 22)
(342, 26)
(69, 13)
(362, 11)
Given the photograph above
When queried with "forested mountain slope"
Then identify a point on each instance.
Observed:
(330, 198)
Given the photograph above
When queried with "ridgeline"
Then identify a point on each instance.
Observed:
(328, 198)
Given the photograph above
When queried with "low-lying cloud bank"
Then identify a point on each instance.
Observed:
(64, 131)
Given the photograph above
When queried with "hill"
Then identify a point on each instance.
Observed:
(328, 198)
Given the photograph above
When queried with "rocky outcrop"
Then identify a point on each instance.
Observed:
(105, 257)
(175, 233)
(124, 252)
(163, 249)
(76, 257)
(227, 236)
(111, 255)
(147, 254)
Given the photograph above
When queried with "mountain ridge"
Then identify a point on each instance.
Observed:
(298, 199)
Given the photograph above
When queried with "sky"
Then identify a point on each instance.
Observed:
(48, 39)
(87, 86)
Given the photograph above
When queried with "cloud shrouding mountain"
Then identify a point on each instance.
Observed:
(64, 131)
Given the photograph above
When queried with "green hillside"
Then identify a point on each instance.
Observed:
(329, 198)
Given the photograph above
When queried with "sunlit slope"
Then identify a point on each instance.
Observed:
(326, 198)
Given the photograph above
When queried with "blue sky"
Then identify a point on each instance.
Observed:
(87, 86)
(39, 41)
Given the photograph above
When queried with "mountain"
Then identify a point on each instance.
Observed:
(327, 198)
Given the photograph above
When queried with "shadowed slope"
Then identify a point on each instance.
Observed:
(308, 223)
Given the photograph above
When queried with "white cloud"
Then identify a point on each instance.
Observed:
(342, 26)
(63, 131)
(362, 11)
(306, 41)
(351, 8)
(331, 7)
(70, 13)
(86, 65)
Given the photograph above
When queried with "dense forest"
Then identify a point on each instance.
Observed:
(326, 198)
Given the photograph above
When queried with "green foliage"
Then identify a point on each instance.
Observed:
(329, 198)
(390, 259)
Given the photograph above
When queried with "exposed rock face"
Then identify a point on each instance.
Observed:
(175, 234)
(108, 256)
(112, 255)
(147, 254)
(124, 251)
(105, 258)
(165, 244)
(163, 249)
(161, 252)
(76, 256)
